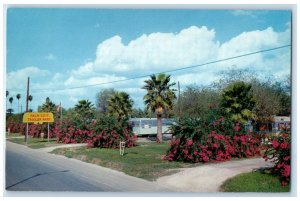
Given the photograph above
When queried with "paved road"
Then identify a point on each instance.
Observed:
(33, 170)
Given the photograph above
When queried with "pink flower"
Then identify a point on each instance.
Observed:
(205, 158)
(283, 145)
(185, 151)
(275, 144)
(237, 128)
(189, 142)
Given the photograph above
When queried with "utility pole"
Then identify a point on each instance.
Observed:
(60, 113)
(26, 134)
(179, 104)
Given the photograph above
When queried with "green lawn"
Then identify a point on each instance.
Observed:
(254, 182)
(144, 161)
(12, 135)
(34, 143)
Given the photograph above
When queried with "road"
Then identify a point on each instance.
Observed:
(33, 170)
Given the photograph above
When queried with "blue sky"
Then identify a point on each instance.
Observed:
(65, 48)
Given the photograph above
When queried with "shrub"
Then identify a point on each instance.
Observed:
(16, 127)
(200, 141)
(70, 132)
(107, 132)
(278, 151)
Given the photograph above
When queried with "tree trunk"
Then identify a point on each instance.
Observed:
(159, 128)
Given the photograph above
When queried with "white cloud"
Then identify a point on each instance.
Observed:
(18, 79)
(158, 52)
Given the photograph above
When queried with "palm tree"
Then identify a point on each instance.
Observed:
(48, 106)
(84, 108)
(120, 105)
(7, 93)
(30, 99)
(238, 102)
(159, 98)
(11, 99)
(18, 96)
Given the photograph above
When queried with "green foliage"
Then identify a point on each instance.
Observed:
(159, 93)
(48, 106)
(120, 105)
(238, 102)
(84, 110)
(197, 102)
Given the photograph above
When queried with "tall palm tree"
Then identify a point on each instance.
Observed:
(7, 93)
(84, 108)
(30, 99)
(159, 98)
(11, 99)
(120, 105)
(18, 96)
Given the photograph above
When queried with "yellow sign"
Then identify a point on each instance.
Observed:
(38, 117)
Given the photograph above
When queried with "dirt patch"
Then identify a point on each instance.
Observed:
(97, 161)
(81, 157)
(112, 165)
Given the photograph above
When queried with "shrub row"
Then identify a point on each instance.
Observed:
(199, 141)
(105, 132)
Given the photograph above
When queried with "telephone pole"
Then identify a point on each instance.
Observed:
(179, 104)
(26, 134)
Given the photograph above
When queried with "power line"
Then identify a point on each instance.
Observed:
(168, 71)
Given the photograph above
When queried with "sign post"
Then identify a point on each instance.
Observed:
(38, 118)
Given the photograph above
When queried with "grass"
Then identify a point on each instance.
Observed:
(143, 161)
(34, 143)
(258, 181)
(12, 135)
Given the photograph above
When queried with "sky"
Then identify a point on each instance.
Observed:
(62, 50)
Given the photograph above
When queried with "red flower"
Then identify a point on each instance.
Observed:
(275, 144)
(283, 145)
(189, 142)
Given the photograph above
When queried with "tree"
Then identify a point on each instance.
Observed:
(159, 98)
(30, 97)
(7, 93)
(102, 98)
(48, 106)
(267, 102)
(238, 102)
(85, 109)
(120, 105)
(18, 96)
(197, 102)
(11, 99)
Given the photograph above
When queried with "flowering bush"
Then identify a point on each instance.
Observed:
(107, 132)
(278, 151)
(34, 130)
(199, 141)
(69, 132)
(16, 127)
